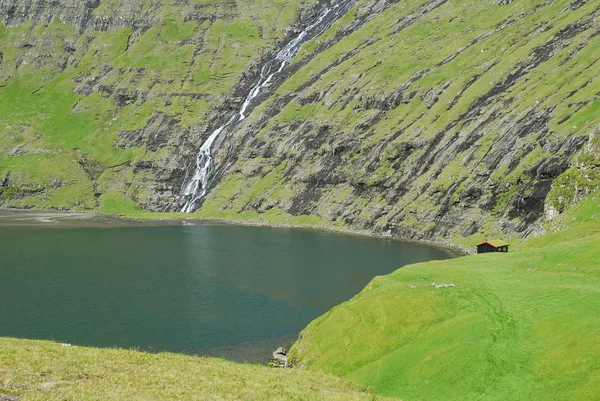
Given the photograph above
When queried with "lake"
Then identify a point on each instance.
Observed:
(226, 291)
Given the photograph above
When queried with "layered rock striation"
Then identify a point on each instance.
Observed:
(433, 119)
(118, 96)
(424, 120)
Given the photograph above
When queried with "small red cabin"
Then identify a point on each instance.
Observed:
(485, 247)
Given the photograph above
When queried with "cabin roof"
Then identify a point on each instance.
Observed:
(490, 244)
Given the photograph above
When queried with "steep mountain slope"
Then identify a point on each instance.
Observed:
(103, 103)
(425, 119)
(428, 119)
(44, 370)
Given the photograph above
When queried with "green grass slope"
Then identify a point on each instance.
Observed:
(428, 118)
(422, 119)
(93, 116)
(517, 326)
(42, 370)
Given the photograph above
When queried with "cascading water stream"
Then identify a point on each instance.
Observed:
(195, 188)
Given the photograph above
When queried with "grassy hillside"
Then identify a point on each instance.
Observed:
(428, 118)
(517, 326)
(103, 104)
(42, 370)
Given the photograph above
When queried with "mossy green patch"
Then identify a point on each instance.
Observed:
(296, 112)
(175, 30)
(114, 203)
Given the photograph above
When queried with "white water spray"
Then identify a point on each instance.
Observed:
(195, 188)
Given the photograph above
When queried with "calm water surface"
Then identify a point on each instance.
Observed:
(226, 291)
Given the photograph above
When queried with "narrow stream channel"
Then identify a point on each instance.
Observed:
(197, 183)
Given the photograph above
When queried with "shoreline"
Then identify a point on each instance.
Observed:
(19, 218)
(453, 248)
(69, 219)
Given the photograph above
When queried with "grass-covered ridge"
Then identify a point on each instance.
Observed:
(518, 326)
(43, 370)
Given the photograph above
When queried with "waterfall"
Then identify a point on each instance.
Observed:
(195, 187)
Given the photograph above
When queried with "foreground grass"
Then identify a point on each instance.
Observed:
(517, 326)
(43, 370)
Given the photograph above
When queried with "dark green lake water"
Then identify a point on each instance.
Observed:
(226, 291)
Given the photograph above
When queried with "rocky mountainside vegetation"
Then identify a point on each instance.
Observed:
(103, 104)
(424, 119)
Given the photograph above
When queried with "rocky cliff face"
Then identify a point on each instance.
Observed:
(76, 13)
(432, 119)
(105, 103)
(98, 15)
(426, 120)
